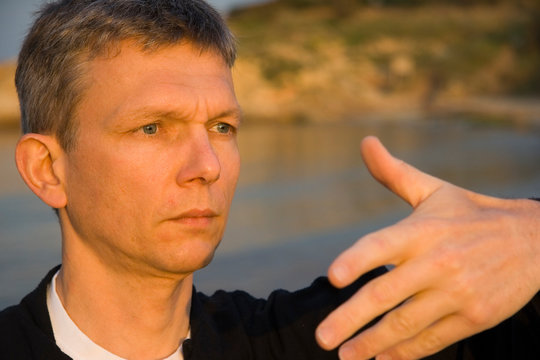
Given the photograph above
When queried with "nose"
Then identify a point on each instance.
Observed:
(201, 163)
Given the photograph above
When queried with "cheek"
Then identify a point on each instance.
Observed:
(230, 168)
(109, 192)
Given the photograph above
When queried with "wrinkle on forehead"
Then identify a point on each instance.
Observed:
(177, 80)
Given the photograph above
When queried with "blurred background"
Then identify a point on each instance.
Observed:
(452, 87)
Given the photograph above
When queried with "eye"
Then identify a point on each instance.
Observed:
(150, 129)
(223, 128)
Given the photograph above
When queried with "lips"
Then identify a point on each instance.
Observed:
(195, 213)
(196, 217)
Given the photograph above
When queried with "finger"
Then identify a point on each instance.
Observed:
(440, 335)
(369, 252)
(391, 245)
(400, 324)
(409, 183)
(374, 298)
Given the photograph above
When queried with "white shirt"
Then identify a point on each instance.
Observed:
(72, 341)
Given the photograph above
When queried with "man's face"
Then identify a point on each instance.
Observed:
(152, 175)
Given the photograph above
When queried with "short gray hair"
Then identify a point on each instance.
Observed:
(69, 33)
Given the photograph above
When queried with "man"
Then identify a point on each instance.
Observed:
(130, 121)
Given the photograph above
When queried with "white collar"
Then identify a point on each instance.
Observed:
(71, 340)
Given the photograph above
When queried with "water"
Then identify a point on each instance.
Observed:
(303, 197)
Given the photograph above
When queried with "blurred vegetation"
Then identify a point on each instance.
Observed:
(322, 59)
(9, 104)
(329, 60)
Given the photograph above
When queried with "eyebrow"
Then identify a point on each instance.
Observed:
(234, 113)
(144, 113)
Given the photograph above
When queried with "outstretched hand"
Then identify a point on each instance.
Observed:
(463, 263)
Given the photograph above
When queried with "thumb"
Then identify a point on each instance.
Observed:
(402, 179)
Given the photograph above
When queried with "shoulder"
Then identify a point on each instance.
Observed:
(25, 329)
(320, 294)
(21, 337)
(282, 306)
(10, 318)
(13, 337)
(281, 326)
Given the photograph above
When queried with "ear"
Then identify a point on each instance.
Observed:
(41, 161)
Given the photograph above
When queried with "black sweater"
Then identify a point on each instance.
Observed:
(235, 325)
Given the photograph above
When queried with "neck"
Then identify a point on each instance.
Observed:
(130, 314)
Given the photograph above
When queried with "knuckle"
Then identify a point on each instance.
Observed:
(402, 352)
(346, 318)
(479, 315)
(401, 323)
(379, 292)
(378, 242)
(349, 317)
(426, 343)
(404, 355)
(429, 343)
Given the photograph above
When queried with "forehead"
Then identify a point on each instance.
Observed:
(184, 56)
(173, 78)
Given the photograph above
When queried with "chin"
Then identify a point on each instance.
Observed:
(190, 257)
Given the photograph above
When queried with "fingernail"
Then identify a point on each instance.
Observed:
(340, 273)
(346, 352)
(325, 336)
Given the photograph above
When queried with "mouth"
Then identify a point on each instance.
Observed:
(196, 217)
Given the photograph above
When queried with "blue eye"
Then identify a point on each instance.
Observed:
(223, 128)
(150, 129)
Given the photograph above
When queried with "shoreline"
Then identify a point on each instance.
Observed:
(519, 111)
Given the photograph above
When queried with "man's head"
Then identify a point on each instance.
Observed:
(67, 34)
(146, 181)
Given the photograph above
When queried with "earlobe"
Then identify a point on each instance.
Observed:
(40, 161)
